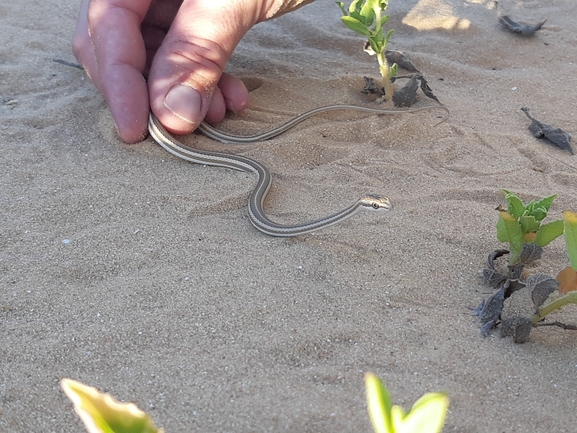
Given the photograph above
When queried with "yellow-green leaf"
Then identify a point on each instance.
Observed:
(379, 404)
(509, 230)
(515, 206)
(102, 413)
(570, 231)
(355, 25)
(548, 232)
(426, 416)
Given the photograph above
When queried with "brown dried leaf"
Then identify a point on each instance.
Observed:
(515, 27)
(494, 256)
(372, 88)
(400, 59)
(427, 90)
(406, 95)
(540, 286)
(512, 285)
(518, 327)
(516, 270)
(489, 311)
(567, 279)
(493, 278)
(530, 253)
(556, 136)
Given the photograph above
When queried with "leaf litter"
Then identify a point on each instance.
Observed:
(515, 27)
(555, 136)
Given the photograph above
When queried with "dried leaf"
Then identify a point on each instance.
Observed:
(530, 253)
(515, 27)
(406, 95)
(426, 89)
(518, 327)
(489, 311)
(556, 136)
(493, 278)
(512, 285)
(494, 256)
(515, 271)
(371, 88)
(400, 59)
(540, 286)
(567, 279)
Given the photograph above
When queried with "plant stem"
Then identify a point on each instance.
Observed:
(569, 298)
(385, 72)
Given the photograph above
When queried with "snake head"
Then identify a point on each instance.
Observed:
(377, 203)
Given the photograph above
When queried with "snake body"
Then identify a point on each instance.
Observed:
(257, 215)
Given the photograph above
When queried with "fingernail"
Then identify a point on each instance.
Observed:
(184, 102)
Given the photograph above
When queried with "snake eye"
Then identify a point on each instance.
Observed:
(376, 206)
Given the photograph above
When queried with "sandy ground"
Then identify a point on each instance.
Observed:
(140, 274)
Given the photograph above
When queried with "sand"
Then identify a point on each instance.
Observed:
(140, 274)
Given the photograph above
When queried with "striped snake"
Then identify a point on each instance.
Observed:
(256, 201)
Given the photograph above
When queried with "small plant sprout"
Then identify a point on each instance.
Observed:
(426, 416)
(367, 18)
(520, 224)
(567, 278)
(102, 413)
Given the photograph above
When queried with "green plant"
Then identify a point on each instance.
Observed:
(101, 413)
(426, 416)
(367, 18)
(567, 278)
(521, 224)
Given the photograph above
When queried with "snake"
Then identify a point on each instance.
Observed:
(257, 215)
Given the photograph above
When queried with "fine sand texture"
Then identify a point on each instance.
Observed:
(140, 274)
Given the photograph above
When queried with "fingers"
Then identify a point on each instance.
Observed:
(109, 45)
(115, 41)
(189, 64)
(230, 94)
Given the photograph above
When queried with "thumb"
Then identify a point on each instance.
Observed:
(190, 62)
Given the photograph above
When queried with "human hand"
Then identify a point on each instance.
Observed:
(182, 46)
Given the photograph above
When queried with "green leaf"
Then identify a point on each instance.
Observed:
(389, 33)
(355, 25)
(514, 204)
(509, 230)
(528, 224)
(101, 413)
(545, 202)
(368, 12)
(548, 232)
(539, 213)
(570, 226)
(379, 404)
(426, 416)
(354, 6)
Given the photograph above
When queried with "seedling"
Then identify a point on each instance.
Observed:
(367, 18)
(101, 413)
(426, 416)
(520, 224)
(567, 278)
